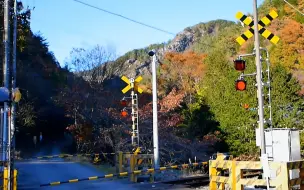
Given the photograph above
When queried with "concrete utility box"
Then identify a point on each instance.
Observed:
(282, 145)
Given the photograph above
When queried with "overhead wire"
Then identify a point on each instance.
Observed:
(294, 7)
(132, 20)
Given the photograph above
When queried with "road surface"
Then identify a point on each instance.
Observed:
(33, 173)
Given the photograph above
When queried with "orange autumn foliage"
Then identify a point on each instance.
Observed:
(184, 70)
(291, 51)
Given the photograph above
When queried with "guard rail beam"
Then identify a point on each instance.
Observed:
(122, 174)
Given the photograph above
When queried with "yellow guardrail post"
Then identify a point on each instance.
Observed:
(15, 180)
(152, 173)
(133, 167)
(119, 159)
(5, 178)
(212, 172)
(233, 173)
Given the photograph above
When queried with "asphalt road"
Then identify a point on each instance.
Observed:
(33, 173)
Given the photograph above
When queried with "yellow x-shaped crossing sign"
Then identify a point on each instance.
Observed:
(131, 84)
(262, 23)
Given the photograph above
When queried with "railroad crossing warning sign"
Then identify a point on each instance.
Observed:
(262, 23)
(132, 84)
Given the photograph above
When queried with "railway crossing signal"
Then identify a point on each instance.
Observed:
(131, 84)
(262, 23)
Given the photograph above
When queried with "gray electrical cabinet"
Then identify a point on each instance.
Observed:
(282, 145)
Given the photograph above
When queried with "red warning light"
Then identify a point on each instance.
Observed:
(124, 113)
(239, 64)
(240, 85)
(123, 103)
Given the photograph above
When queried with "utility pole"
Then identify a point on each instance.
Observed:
(259, 77)
(6, 78)
(155, 121)
(14, 77)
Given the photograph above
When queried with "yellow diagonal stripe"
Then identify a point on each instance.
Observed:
(239, 15)
(275, 39)
(248, 34)
(240, 40)
(138, 79)
(247, 21)
(265, 20)
(109, 176)
(137, 171)
(123, 173)
(126, 89)
(55, 183)
(125, 79)
(73, 180)
(94, 177)
(273, 14)
(139, 90)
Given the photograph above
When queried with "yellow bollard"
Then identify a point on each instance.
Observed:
(5, 178)
(233, 173)
(119, 162)
(15, 180)
(212, 172)
(133, 167)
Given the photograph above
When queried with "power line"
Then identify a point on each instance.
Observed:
(294, 7)
(125, 17)
(167, 32)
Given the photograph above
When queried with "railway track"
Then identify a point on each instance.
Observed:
(195, 181)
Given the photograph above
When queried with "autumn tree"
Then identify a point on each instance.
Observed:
(182, 71)
(290, 52)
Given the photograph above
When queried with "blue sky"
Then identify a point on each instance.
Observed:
(67, 24)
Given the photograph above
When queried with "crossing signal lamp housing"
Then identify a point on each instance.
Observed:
(123, 102)
(239, 64)
(240, 85)
(124, 113)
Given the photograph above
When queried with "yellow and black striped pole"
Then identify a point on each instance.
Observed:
(136, 172)
(266, 20)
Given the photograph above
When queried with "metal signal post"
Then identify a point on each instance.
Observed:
(135, 133)
(133, 85)
(259, 77)
(256, 28)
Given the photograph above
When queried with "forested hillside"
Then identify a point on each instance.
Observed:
(200, 111)
(39, 77)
